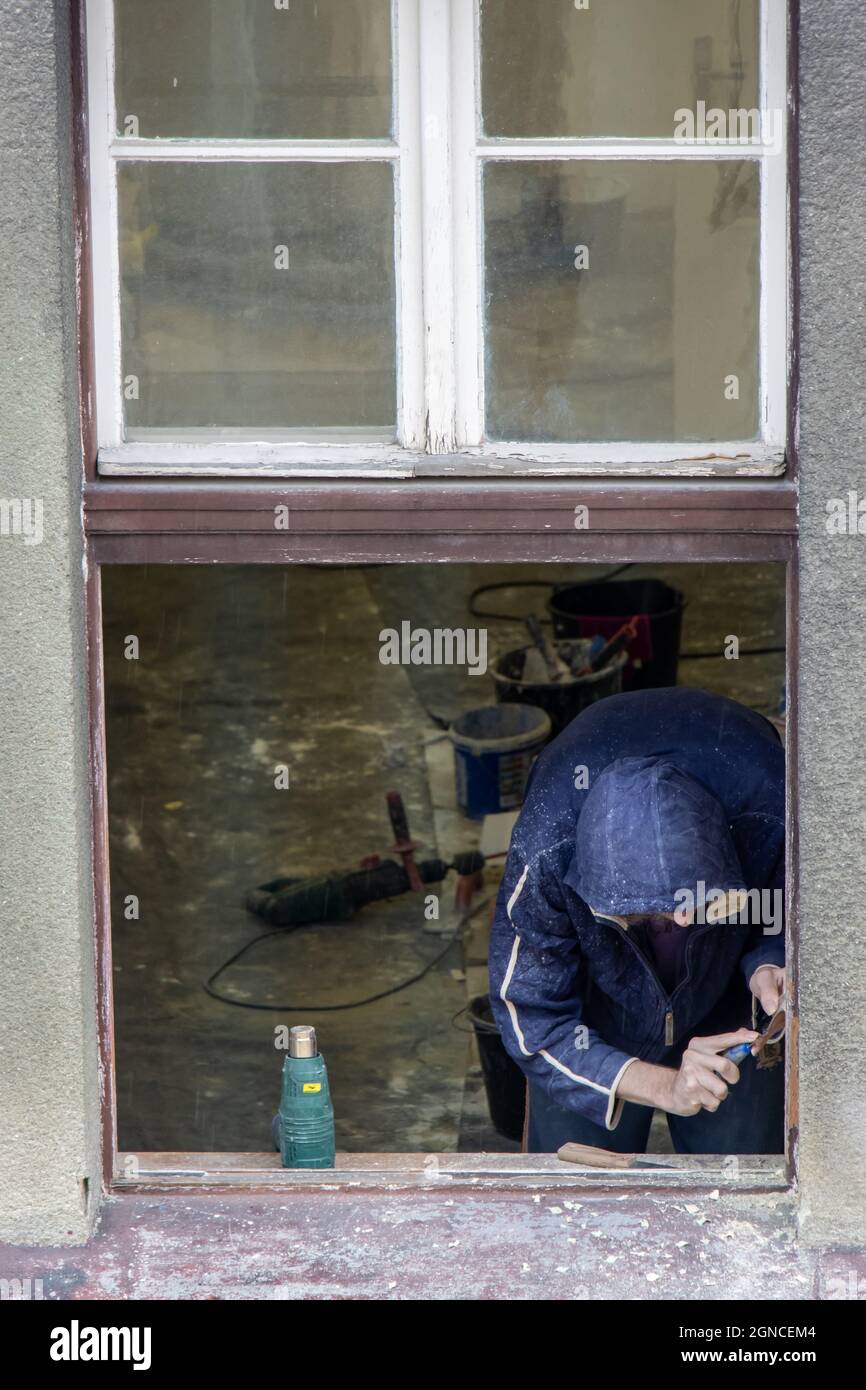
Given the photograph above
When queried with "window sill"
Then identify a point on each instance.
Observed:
(735, 459)
(175, 1172)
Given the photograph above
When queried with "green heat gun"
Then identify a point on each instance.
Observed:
(306, 1118)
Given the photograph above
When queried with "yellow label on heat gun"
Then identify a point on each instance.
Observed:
(312, 1085)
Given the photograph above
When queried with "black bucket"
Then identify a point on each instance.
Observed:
(561, 700)
(504, 1082)
(586, 610)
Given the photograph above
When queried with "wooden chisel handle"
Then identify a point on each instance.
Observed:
(594, 1158)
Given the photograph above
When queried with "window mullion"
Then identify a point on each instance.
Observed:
(468, 272)
(409, 240)
(438, 248)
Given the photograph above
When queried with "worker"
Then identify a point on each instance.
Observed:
(626, 957)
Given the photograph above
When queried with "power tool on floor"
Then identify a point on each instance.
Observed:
(305, 1123)
(298, 902)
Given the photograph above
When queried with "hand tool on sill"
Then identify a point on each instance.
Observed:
(772, 1034)
(336, 897)
(620, 639)
(590, 1157)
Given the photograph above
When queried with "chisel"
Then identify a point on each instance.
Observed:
(591, 1157)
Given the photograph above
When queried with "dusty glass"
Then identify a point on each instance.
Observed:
(621, 300)
(257, 295)
(309, 69)
(616, 68)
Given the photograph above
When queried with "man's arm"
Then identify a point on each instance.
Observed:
(535, 972)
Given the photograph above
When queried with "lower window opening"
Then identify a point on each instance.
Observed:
(314, 777)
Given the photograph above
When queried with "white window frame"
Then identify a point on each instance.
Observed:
(438, 154)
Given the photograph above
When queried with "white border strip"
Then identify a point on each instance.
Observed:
(774, 298)
(103, 221)
(251, 151)
(409, 236)
(468, 240)
(438, 231)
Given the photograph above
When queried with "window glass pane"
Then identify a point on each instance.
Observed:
(656, 335)
(257, 295)
(312, 69)
(618, 68)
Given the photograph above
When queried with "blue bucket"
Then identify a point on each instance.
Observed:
(494, 749)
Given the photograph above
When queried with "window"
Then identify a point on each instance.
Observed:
(421, 237)
(402, 239)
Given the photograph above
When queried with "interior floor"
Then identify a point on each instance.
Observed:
(241, 672)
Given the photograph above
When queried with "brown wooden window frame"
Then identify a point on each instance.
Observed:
(414, 521)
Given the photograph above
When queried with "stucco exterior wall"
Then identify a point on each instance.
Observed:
(833, 631)
(48, 1090)
(48, 1076)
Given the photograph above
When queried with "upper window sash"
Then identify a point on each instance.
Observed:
(439, 155)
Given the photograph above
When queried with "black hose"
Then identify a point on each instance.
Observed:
(307, 1007)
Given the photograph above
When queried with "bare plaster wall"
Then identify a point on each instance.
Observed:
(833, 623)
(48, 1090)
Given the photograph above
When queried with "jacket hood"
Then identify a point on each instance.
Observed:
(646, 833)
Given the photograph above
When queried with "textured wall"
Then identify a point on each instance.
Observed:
(48, 1138)
(48, 1134)
(833, 679)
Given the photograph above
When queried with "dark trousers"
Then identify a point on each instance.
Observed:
(750, 1120)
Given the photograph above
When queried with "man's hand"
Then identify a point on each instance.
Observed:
(703, 1077)
(768, 985)
(701, 1083)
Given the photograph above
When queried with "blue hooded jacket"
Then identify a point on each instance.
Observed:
(642, 798)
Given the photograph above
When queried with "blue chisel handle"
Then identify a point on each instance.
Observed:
(739, 1053)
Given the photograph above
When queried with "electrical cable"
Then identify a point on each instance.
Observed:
(527, 584)
(744, 651)
(306, 1007)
